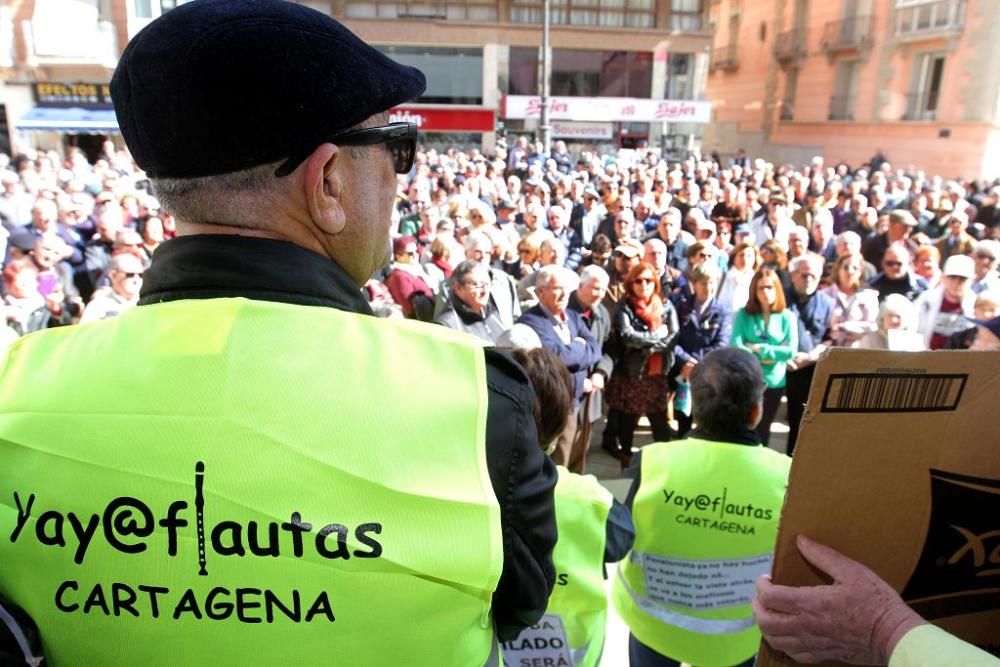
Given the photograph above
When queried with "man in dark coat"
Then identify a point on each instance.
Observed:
(587, 301)
(564, 332)
(813, 310)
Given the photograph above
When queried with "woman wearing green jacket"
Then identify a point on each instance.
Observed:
(768, 330)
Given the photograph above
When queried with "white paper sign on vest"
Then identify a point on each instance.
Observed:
(542, 644)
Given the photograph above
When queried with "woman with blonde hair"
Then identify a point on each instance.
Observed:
(854, 307)
(899, 315)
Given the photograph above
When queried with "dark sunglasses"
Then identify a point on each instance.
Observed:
(400, 138)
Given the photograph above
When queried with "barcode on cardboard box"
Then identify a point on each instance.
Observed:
(888, 392)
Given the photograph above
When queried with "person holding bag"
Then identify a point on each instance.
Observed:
(644, 335)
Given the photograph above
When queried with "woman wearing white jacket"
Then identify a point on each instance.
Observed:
(944, 310)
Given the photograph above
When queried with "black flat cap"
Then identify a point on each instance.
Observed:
(216, 86)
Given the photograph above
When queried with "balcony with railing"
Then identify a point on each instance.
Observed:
(790, 44)
(725, 58)
(842, 107)
(921, 19)
(921, 106)
(852, 33)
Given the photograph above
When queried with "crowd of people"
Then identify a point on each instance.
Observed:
(629, 268)
(252, 379)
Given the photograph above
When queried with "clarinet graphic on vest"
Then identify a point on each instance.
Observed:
(199, 506)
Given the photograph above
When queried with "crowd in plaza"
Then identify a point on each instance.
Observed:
(631, 269)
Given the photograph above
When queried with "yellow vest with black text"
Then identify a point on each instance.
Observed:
(706, 518)
(235, 482)
(572, 631)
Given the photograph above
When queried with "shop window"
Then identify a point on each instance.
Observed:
(680, 83)
(580, 73)
(602, 13)
(455, 10)
(454, 76)
(686, 15)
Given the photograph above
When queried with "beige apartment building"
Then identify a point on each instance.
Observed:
(918, 79)
(625, 73)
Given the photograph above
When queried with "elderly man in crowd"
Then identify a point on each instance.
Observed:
(958, 241)
(125, 273)
(774, 224)
(901, 224)
(562, 232)
(469, 303)
(987, 257)
(813, 310)
(655, 253)
(253, 382)
(503, 290)
(668, 232)
(897, 276)
(587, 301)
(564, 332)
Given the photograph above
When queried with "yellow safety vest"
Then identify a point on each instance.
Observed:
(235, 482)
(706, 517)
(572, 631)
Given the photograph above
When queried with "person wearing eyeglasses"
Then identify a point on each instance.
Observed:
(897, 276)
(767, 329)
(644, 336)
(125, 273)
(280, 475)
(987, 257)
(469, 303)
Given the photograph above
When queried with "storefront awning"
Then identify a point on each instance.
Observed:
(68, 119)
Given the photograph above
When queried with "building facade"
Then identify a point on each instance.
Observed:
(917, 79)
(476, 54)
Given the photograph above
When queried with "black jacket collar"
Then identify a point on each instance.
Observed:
(738, 436)
(211, 266)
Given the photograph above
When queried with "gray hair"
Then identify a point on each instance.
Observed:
(561, 274)
(850, 239)
(465, 269)
(814, 261)
(704, 272)
(592, 272)
(557, 246)
(725, 386)
(234, 199)
(899, 305)
(475, 238)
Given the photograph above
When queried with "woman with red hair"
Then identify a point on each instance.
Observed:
(645, 334)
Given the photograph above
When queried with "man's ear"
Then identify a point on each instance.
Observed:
(323, 187)
(756, 413)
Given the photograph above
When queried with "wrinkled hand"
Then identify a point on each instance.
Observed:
(857, 619)
(597, 381)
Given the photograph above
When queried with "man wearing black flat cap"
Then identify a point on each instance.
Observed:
(260, 472)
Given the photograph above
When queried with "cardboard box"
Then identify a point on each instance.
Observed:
(898, 466)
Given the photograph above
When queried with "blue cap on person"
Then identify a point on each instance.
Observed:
(217, 86)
